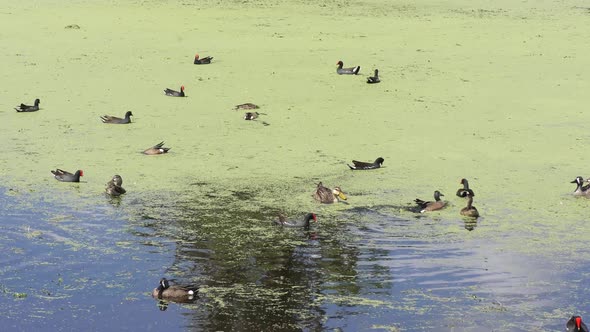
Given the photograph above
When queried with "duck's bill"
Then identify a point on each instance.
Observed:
(342, 196)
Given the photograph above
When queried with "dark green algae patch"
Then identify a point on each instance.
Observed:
(493, 93)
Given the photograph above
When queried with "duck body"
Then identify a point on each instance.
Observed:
(282, 221)
(174, 93)
(114, 187)
(374, 79)
(204, 61)
(575, 324)
(430, 205)
(115, 120)
(28, 108)
(65, 176)
(328, 196)
(462, 192)
(347, 71)
(174, 293)
(581, 190)
(469, 210)
(251, 115)
(361, 165)
(156, 149)
(247, 106)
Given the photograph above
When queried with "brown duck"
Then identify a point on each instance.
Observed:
(156, 149)
(328, 196)
(469, 210)
(246, 106)
(114, 186)
(430, 205)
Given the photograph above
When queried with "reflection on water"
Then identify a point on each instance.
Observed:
(360, 269)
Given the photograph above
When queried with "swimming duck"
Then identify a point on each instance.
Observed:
(156, 149)
(65, 176)
(429, 205)
(361, 165)
(116, 120)
(575, 324)
(247, 106)
(299, 223)
(204, 61)
(347, 71)
(173, 93)
(28, 108)
(327, 195)
(461, 192)
(251, 115)
(581, 190)
(114, 186)
(469, 210)
(174, 293)
(374, 79)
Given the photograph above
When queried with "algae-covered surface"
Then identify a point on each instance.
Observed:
(495, 92)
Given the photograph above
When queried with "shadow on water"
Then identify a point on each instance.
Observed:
(356, 269)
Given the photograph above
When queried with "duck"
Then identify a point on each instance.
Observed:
(429, 205)
(581, 190)
(251, 115)
(28, 108)
(328, 196)
(374, 79)
(469, 210)
(174, 293)
(361, 165)
(66, 176)
(156, 149)
(247, 106)
(115, 120)
(204, 61)
(575, 324)
(114, 186)
(461, 191)
(174, 93)
(347, 71)
(282, 221)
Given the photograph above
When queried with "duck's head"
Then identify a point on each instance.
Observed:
(578, 180)
(339, 193)
(117, 180)
(379, 161)
(182, 88)
(340, 63)
(197, 56)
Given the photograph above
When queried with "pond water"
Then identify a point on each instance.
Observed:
(493, 92)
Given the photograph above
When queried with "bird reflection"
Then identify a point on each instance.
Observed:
(470, 224)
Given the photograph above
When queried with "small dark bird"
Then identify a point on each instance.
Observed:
(246, 106)
(251, 115)
(575, 324)
(156, 149)
(116, 120)
(204, 61)
(65, 176)
(174, 293)
(374, 79)
(581, 190)
(360, 165)
(174, 93)
(347, 71)
(114, 186)
(429, 205)
(28, 108)
(462, 192)
(299, 223)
